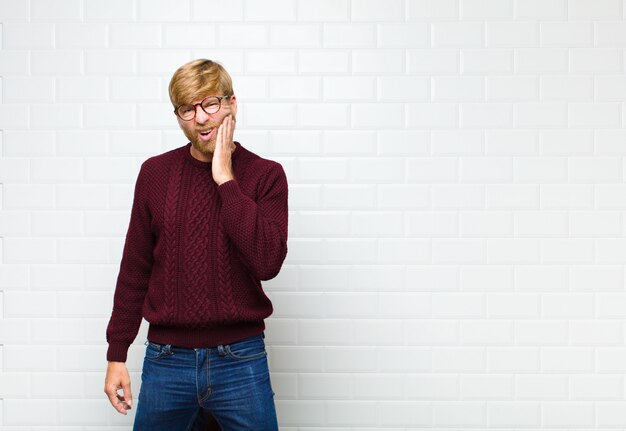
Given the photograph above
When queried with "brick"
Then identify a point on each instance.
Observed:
(548, 114)
(54, 277)
(541, 9)
(14, 11)
(270, 10)
(349, 142)
(29, 304)
(109, 62)
(111, 11)
(486, 386)
(14, 62)
(403, 35)
(566, 34)
(324, 386)
(375, 115)
(486, 9)
(486, 61)
(511, 88)
(82, 251)
(263, 62)
(240, 35)
(323, 10)
(541, 60)
(566, 87)
(164, 10)
(295, 35)
(87, 89)
(433, 10)
(457, 196)
(15, 223)
(19, 412)
(432, 170)
(481, 224)
(138, 89)
(161, 62)
(433, 62)
(586, 9)
(112, 170)
(324, 224)
(452, 142)
(351, 413)
(512, 34)
(189, 36)
(512, 142)
(372, 10)
(57, 62)
(348, 88)
(136, 36)
(323, 61)
(350, 305)
(611, 34)
(349, 251)
(55, 10)
(217, 10)
(81, 36)
(432, 115)
(108, 115)
(490, 115)
(323, 115)
(384, 62)
(73, 143)
(457, 34)
(27, 196)
(448, 88)
(27, 36)
(378, 224)
(566, 142)
(594, 115)
(300, 88)
(27, 89)
(55, 116)
(56, 170)
(347, 196)
(349, 35)
(424, 224)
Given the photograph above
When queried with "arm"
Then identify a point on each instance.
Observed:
(258, 229)
(132, 281)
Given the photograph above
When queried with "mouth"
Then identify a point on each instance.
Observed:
(205, 135)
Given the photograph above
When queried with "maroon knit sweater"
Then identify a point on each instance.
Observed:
(195, 252)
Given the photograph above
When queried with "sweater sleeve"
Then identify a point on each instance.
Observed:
(258, 229)
(132, 281)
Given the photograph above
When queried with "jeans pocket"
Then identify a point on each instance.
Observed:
(246, 350)
(155, 351)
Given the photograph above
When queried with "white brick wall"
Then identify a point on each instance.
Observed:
(456, 172)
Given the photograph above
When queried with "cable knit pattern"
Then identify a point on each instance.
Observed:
(195, 253)
(171, 231)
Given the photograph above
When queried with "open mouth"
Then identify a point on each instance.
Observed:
(206, 134)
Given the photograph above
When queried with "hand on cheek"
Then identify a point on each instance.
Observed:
(224, 146)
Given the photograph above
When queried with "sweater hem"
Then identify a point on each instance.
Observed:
(204, 337)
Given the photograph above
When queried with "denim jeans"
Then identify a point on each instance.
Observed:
(231, 381)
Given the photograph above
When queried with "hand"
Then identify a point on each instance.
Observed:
(222, 166)
(117, 378)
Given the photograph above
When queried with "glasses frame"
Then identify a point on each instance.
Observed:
(195, 109)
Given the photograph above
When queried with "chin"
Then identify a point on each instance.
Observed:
(204, 147)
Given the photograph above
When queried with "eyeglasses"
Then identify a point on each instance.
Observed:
(210, 105)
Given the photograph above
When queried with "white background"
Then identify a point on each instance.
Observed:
(457, 197)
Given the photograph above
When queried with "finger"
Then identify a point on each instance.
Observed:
(128, 396)
(115, 402)
(218, 140)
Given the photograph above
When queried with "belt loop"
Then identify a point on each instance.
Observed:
(221, 350)
(167, 349)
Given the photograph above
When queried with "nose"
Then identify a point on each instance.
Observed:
(201, 116)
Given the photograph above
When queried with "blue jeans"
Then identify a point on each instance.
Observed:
(231, 381)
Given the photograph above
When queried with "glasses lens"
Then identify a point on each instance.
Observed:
(211, 105)
(186, 112)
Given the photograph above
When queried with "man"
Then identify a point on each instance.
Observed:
(208, 223)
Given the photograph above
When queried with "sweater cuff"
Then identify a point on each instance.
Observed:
(117, 352)
(229, 192)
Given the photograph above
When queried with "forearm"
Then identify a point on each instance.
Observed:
(257, 229)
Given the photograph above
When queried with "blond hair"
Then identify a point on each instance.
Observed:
(197, 79)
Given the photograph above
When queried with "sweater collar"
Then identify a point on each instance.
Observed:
(207, 165)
